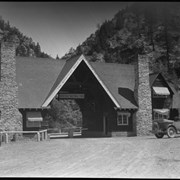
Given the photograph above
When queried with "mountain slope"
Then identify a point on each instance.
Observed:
(25, 45)
(149, 28)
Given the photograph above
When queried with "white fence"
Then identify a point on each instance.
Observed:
(66, 132)
(41, 135)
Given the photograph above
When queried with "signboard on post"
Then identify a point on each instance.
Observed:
(71, 96)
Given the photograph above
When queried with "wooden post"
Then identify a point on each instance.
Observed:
(6, 137)
(42, 135)
(38, 136)
(0, 139)
(70, 133)
(59, 130)
(15, 137)
(45, 134)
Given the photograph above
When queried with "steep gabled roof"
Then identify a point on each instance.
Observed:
(35, 77)
(39, 80)
(111, 76)
(152, 78)
(117, 78)
(67, 71)
(176, 96)
(62, 74)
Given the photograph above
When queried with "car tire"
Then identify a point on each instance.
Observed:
(159, 135)
(156, 128)
(171, 132)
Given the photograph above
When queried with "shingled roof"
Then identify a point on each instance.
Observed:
(114, 77)
(176, 96)
(66, 68)
(35, 77)
(117, 78)
(152, 78)
(38, 80)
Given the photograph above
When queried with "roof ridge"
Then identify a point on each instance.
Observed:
(72, 57)
(97, 62)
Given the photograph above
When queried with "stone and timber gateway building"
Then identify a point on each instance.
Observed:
(115, 99)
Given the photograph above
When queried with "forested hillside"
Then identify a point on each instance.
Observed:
(150, 28)
(25, 45)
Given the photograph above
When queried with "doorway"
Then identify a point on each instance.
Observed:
(105, 124)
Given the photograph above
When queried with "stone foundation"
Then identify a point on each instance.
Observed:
(122, 134)
(94, 134)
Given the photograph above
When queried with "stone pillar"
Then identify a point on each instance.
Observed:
(11, 118)
(143, 96)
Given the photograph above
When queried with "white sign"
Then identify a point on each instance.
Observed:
(71, 96)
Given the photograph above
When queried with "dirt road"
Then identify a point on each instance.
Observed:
(117, 157)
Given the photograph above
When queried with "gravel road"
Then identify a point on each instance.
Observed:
(117, 157)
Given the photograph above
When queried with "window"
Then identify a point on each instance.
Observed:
(33, 124)
(160, 114)
(123, 118)
(34, 119)
(156, 116)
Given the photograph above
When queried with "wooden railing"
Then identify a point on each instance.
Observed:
(67, 131)
(41, 135)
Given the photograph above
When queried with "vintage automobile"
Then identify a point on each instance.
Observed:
(167, 127)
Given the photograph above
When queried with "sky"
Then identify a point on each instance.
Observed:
(58, 26)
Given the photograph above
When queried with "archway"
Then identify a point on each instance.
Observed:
(96, 106)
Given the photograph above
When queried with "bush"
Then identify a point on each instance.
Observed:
(64, 114)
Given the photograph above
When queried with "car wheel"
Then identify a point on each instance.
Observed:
(156, 129)
(159, 135)
(171, 132)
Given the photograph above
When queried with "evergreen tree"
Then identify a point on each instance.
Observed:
(119, 21)
(151, 20)
(24, 45)
(64, 114)
(57, 57)
(38, 50)
(22, 50)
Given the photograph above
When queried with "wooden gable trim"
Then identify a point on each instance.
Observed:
(102, 84)
(164, 80)
(151, 83)
(49, 99)
(81, 58)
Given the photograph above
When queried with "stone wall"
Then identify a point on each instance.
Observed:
(11, 118)
(143, 96)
